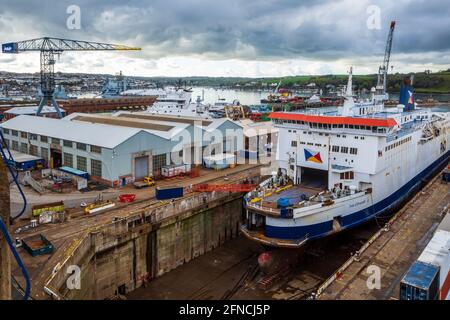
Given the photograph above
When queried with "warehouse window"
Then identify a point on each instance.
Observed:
(81, 163)
(6, 131)
(15, 145)
(23, 135)
(68, 159)
(81, 146)
(15, 133)
(96, 168)
(6, 143)
(68, 144)
(96, 149)
(32, 136)
(44, 139)
(33, 150)
(24, 148)
(56, 141)
(44, 153)
(159, 161)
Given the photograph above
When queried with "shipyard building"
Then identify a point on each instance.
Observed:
(119, 149)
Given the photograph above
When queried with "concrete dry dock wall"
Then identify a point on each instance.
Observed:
(126, 253)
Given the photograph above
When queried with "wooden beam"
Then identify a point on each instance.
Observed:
(5, 255)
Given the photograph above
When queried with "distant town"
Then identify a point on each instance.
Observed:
(19, 84)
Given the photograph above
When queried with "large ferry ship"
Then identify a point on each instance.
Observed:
(339, 168)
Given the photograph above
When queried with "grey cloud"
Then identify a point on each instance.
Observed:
(262, 30)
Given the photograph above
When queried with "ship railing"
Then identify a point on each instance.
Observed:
(263, 208)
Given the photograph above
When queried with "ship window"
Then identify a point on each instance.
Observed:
(318, 145)
(338, 136)
(293, 143)
(301, 142)
(349, 175)
(356, 137)
(335, 149)
(353, 151)
(351, 126)
(362, 138)
(344, 149)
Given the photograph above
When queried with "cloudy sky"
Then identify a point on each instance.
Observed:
(233, 37)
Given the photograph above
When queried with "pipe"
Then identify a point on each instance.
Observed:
(14, 176)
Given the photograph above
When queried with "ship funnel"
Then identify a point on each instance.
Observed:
(407, 94)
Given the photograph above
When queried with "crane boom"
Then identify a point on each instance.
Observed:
(48, 47)
(59, 44)
(383, 70)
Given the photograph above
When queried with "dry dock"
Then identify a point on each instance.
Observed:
(392, 249)
(121, 249)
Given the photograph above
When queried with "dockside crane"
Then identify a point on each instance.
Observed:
(381, 88)
(49, 48)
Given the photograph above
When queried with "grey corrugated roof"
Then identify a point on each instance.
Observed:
(94, 134)
(31, 110)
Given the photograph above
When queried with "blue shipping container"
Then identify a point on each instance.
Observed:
(169, 193)
(421, 282)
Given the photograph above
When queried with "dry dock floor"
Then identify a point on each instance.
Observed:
(395, 250)
(63, 235)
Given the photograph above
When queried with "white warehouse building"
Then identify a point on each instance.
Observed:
(120, 149)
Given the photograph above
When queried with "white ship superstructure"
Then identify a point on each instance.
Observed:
(340, 168)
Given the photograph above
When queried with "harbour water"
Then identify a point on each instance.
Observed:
(249, 97)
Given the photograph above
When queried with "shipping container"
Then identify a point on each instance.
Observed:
(219, 161)
(175, 170)
(37, 245)
(168, 193)
(37, 209)
(437, 253)
(421, 282)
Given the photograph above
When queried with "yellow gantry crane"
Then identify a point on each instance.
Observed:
(49, 47)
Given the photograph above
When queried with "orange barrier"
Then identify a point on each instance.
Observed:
(240, 187)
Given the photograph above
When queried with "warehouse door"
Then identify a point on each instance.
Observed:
(140, 167)
(56, 158)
